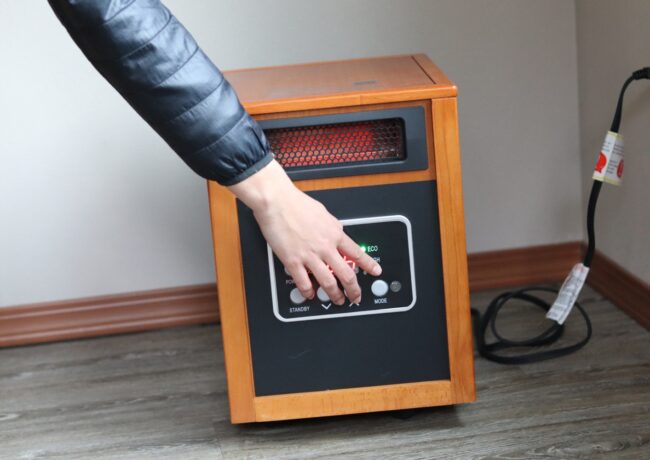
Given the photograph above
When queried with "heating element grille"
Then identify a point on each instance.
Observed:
(341, 143)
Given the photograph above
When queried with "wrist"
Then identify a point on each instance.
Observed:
(264, 188)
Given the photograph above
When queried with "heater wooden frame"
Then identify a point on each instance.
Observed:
(439, 101)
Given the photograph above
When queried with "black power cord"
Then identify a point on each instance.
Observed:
(554, 332)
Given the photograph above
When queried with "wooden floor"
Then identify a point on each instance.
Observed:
(161, 395)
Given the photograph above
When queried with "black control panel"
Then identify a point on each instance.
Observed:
(387, 239)
(314, 350)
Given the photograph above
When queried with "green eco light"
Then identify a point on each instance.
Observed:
(363, 248)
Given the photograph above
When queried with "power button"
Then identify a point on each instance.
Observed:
(296, 297)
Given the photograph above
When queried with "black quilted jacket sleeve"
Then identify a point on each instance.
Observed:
(155, 64)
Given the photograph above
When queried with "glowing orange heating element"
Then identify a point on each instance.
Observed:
(364, 141)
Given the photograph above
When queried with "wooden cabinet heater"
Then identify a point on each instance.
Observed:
(376, 141)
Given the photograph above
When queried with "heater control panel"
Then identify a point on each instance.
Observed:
(388, 240)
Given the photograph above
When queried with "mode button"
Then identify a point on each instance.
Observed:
(379, 288)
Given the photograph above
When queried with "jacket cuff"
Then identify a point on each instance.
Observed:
(250, 170)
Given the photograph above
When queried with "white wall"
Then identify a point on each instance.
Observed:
(613, 41)
(92, 202)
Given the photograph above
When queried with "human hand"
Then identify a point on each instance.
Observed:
(304, 235)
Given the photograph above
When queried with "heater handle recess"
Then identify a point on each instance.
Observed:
(568, 293)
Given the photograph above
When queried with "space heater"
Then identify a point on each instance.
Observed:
(376, 141)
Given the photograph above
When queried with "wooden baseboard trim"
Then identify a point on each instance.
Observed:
(147, 310)
(111, 314)
(625, 290)
(522, 266)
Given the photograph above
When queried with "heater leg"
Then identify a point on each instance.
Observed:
(404, 414)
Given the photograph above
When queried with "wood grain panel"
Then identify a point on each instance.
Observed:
(328, 78)
(453, 249)
(232, 303)
(352, 400)
(338, 84)
(433, 71)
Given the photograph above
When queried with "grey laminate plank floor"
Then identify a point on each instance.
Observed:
(161, 395)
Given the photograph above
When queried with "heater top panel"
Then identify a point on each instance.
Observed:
(339, 83)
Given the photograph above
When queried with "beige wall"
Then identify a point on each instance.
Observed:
(613, 41)
(92, 202)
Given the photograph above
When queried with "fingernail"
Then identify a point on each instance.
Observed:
(377, 270)
(357, 300)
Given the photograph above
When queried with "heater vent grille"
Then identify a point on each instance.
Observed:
(341, 143)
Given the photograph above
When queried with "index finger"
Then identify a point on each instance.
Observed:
(363, 260)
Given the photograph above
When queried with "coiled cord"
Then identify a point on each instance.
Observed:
(551, 335)
(554, 332)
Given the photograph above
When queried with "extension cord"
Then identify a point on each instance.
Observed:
(609, 168)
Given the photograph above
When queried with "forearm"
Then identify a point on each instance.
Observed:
(156, 65)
